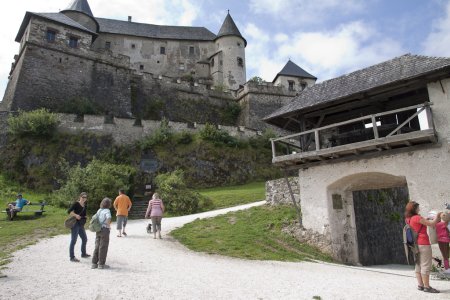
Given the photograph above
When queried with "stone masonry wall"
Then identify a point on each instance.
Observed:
(258, 101)
(124, 130)
(277, 191)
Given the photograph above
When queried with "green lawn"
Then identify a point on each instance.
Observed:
(251, 234)
(235, 195)
(26, 229)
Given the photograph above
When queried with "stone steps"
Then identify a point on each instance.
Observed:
(139, 208)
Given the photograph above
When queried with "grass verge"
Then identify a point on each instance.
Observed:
(235, 195)
(27, 229)
(250, 234)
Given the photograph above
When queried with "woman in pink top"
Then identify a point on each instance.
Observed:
(155, 210)
(419, 225)
(443, 238)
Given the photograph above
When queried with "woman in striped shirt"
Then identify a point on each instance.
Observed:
(155, 210)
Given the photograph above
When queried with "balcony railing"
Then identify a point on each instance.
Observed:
(376, 132)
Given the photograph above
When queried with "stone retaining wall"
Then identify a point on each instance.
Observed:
(277, 191)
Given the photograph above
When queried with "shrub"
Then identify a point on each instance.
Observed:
(82, 106)
(38, 123)
(257, 80)
(217, 137)
(98, 179)
(262, 141)
(231, 113)
(184, 138)
(177, 198)
(161, 136)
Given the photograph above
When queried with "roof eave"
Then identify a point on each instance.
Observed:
(26, 21)
(223, 35)
(271, 119)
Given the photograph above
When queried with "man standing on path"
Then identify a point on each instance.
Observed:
(122, 205)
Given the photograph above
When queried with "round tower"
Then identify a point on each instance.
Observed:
(80, 11)
(228, 63)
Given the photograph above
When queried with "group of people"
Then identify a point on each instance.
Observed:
(122, 204)
(423, 262)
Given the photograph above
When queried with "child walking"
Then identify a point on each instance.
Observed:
(444, 239)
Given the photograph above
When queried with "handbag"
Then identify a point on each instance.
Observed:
(70, 222)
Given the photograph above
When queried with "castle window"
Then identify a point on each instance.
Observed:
(303, 85)
(141, 67)
(191, 50)
(51, 36)
(162, 50)
(73, 42)
(212, 62)
(291, 85)
(240, 62)
(221, 62)
(108, 45)
(238, 44)
(133, 46)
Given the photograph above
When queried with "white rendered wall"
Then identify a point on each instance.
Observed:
(426, 172)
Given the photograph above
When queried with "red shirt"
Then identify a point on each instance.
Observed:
(415, 224)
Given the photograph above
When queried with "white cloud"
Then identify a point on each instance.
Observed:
(175, 12)
(324, 54)
(438, 41)
(304, 11)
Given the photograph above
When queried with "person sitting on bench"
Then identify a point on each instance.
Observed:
(17, 206)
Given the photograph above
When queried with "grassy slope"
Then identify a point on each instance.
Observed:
(27, 229)
(235, 195)
(251, 234)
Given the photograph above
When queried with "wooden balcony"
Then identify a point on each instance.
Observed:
(330, 142)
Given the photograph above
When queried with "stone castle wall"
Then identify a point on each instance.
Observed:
(259, 100)
(125, 130)
(53, 75)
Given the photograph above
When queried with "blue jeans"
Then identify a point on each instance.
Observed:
(78, 230)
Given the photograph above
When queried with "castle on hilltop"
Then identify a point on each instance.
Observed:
(71, 60)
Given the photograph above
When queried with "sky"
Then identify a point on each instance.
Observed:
(327, 38)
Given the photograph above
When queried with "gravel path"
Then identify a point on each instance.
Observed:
(144, 268)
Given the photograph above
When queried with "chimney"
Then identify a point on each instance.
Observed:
(129, 18)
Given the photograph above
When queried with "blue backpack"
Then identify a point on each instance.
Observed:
(410, 242)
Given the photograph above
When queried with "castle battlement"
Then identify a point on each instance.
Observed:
(126, 131)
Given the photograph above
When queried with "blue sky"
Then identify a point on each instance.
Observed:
(327, 38)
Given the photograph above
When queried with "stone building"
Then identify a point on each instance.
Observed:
(124, 67)
(367, 142)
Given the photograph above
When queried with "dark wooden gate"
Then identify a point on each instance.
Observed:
(379, 225)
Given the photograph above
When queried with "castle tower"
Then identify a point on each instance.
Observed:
(294, 78)
(228, 62)
(80, 12)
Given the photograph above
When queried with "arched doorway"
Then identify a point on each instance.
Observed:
(366, 218)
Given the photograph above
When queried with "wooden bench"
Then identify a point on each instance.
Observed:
(35, 208)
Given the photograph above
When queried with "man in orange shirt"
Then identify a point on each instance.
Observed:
(122, 205)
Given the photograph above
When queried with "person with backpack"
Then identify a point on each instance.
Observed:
(78, 210)
(423, 262)
(102, 236)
